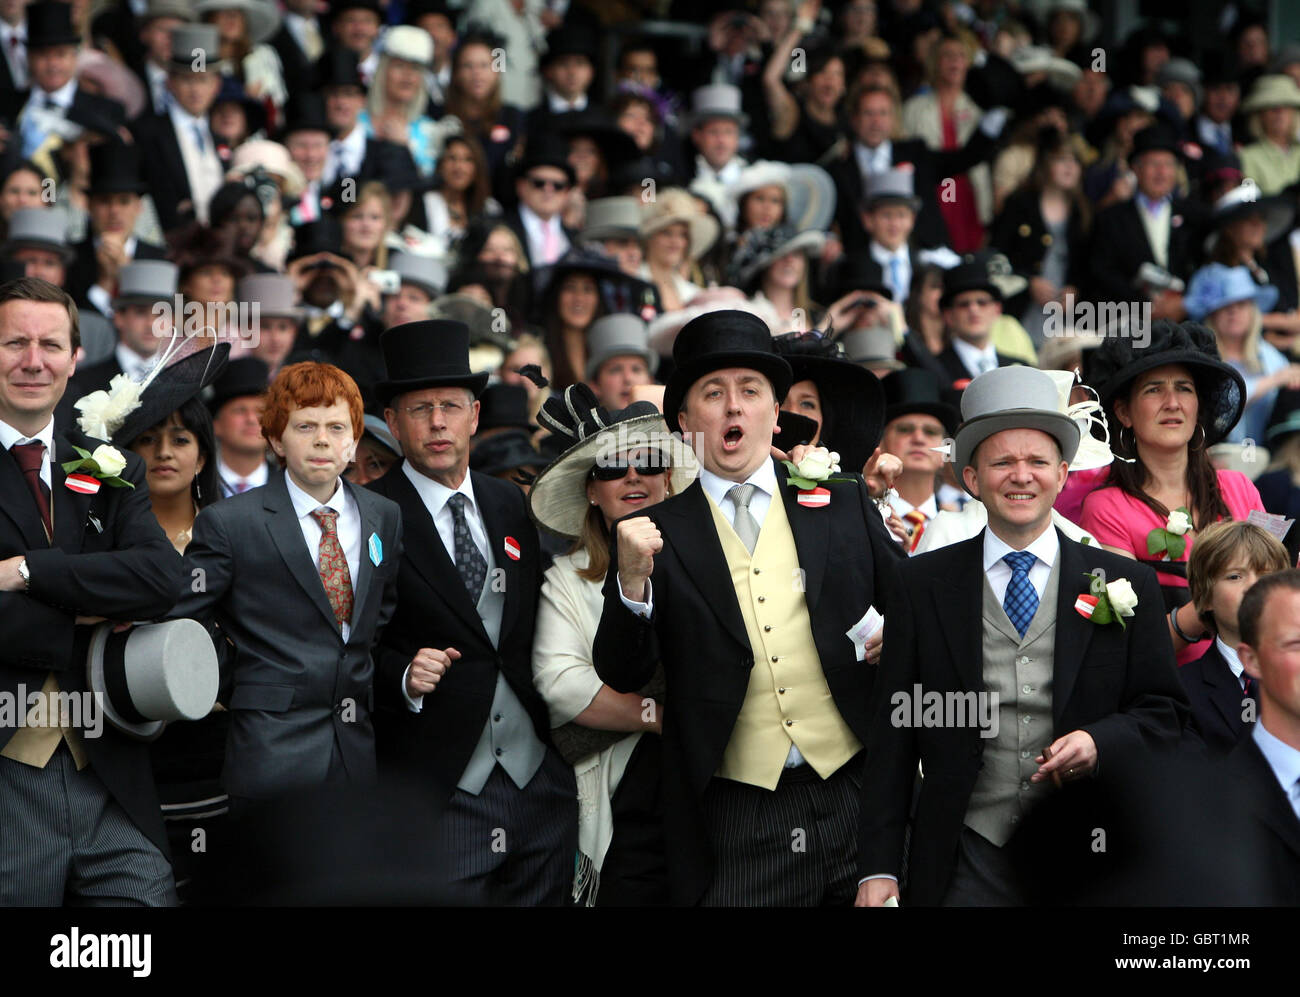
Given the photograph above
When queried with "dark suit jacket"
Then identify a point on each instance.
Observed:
(1020, 232)
(434, 610)
(1273, 831)
(1119, 247)
(83, 271)
(698, 633)
(515, 222)
(957, 371)
(1116, 683)
(299, 76)
(294, 689)
(127, 571)
(1216, 698)
(164, 170)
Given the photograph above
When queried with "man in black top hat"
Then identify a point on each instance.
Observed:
(542, 185)
(109, 245)
(917, 421)
(454, 672)
(1154, 227)
(353, 153)
(437, 18)
(238, 398)
(763, 747)
(355, 26)
(182, 169)
(299, 42)
(971, 303)
(568, 69)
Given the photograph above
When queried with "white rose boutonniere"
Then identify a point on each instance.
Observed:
(818, 466)
(104, 465)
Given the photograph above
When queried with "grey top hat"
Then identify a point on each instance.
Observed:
(618, 335)
(424, 272)
(273, 293)
(182, 9)
(612, 218)
(873, 347)
(376, 427)
(153, 673)
(38, 228)
(1013, 397)
(1184, 71)
(191, 40)
(891, 185)
(146, 281)
(717, 100)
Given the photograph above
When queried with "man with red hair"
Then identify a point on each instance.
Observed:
(300, 574)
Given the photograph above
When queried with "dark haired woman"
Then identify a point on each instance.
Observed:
(1171, 401)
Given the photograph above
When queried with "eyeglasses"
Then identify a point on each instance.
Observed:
(539, 183)
(425, 410)
(646, 465)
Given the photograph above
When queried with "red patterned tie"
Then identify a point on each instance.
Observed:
(29, 457)
(334, 566)
(916, 520)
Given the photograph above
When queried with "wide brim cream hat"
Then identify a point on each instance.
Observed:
(1274, 90)
(678, 205)
(262, 16)
(809, 192)
(558, 499)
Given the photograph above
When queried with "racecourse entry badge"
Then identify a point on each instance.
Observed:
(1085, 605)
(512, 548)
(83, 484)
(376, 548)
(815, 498)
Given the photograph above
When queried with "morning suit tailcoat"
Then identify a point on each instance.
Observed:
(1117, 683)
(1271, 827)
(434, 609)
(1120, 246)
(297, 693)
(164, 170)
(698, 632)
(109, 558)
(1216, 698)
(83, 271)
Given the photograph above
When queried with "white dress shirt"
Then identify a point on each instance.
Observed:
(9, 436)
(434, 495)
(558, 105)
(233, 480)
(1234, 662)
(345, 156)
(348, 527)
(1045, 549)
(896, 265)
(929, 508)
(872, 161)
(1284, 760)
(202, 165)
(133, 365)
(1155, 216)
(977, 361)
(728, 173)
(15, 53)
(97, 293)
(535, 228)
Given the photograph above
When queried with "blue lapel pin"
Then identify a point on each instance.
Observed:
(376, 548)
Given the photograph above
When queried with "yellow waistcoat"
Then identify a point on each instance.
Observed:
(788, 698)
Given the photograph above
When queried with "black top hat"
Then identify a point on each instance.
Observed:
(547, 149)
(97, 114)
(512, 451)
(616, 146)
(417, 9)
(569, 39)
(916, 390)
(1158, 137)
(967, 276)
(727, 338)
(115, 169)
(324, 235)
(171, 388)
(306, 113)
(852, 401)
(502, 406)
(49, 23)
(1113, 366)
(430, 354)
(338, 67)
(858, 272)
(242, 377)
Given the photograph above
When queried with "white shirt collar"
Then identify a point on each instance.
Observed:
(535, 222)
(882, 255)
(8, 30)
(1045, 548)
(716, 488)
(1230, 656)
(559, 105)
(1283, 759)
(971, 356)
(183, 119)
(9, 436)
(434, 494)
(929, 508)
(873, 160)
(63, 96)
(305, 505)
(132, 363)
(232, 477)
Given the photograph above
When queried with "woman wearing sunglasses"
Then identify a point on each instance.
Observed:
(615, 463)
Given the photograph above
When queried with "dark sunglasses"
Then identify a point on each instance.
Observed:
(648, 465)
(540, 183)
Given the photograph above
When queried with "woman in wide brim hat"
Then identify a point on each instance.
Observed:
(1168, 397)
(1272, 110)
(246, 28)
(805, 192)
(675, 233)
(847, 400)
(615, 463)
(773, 264)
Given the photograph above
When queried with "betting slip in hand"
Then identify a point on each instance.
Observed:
(1270, 522)
(864, 630)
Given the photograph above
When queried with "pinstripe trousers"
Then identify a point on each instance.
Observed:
(795, 846)
(514, 847)
(65, 840)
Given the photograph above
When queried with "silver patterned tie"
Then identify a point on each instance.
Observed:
(469, 559)
(745, 525)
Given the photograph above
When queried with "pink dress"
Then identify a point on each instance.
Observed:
(1120, 521)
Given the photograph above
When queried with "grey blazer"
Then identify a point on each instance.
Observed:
(300, 698)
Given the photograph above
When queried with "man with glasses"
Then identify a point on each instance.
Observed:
(971, 303)
(460, 716)
(542, 188)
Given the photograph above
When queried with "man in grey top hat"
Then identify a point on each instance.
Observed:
(278, 316)
(614, 224)
(1065, 681)
(716, 123)
(619, 359)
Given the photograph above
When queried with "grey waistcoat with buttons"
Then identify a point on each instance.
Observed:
(508, 737)
(1019, 673)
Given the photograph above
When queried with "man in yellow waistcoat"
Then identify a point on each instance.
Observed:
(758, 609)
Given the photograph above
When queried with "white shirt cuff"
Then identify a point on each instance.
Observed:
(640, 608)
(416, 704)
(879, 875)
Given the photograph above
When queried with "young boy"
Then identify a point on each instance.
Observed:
(1228, 559)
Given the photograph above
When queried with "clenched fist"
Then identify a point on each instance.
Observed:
(639, 541)
(427, 668)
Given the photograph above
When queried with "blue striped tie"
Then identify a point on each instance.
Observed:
(1021, 600)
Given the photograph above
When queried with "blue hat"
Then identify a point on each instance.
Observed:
(1216, 285)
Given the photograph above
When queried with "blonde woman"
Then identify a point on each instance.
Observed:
(400, 94)
(366, 223)
(1273, 110)
(675, 233)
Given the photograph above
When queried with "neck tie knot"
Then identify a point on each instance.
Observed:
(1020, 560)
(30, 456)
(328, 520)
(745, 525)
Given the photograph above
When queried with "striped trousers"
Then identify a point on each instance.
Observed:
(795, 846)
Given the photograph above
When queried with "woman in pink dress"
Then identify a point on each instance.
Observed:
(1167, 404)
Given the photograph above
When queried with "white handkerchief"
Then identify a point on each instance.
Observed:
(864, 630)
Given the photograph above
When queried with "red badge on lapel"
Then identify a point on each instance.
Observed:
(499, 133)
(82, 483)
(815, 498)
(512, 548)
(1085, 605)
